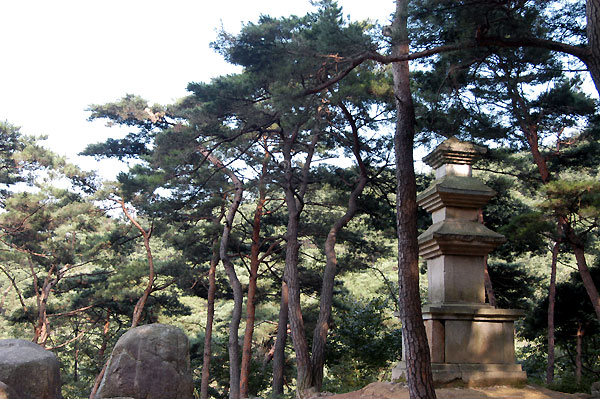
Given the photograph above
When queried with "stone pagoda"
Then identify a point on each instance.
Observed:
(471, 342)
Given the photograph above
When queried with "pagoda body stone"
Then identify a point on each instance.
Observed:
(471, 343)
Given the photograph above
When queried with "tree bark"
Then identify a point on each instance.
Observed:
(592, 10)
(236, 286)
(210, 315)
(551, 303)
(584, 270)
(326, 298)
(418, 365)
(101, 352)
(42, 327)
(294, 202)
(254, 263)
(578, 363)
(139, 306)
(98, 380)
(279, 353)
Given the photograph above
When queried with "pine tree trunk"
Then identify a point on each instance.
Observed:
(238, 297)
(326, 299)
(104, 344)
(279, 353)
(578, 364)
(42, 328)
(417, 358)
(250, 306)
(236, 286)
(290, 276)
(551, 303)
(584, 271)
(101, 356)
(294, 197)
(530, 132)
(76, 358)
(139, 306)
(592, 8)
(210, 314)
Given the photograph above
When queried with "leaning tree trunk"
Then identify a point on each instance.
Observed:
(254, 263)
(279, 352)
(417, 358)
(326, 299)
(584, 270)
(42, 330)
(236, 286)
(141, 303)
(210, 314)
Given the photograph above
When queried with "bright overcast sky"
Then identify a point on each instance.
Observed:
(60, 56)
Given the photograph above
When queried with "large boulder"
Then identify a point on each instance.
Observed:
(29, 371)
(7, 392)
(149, 362)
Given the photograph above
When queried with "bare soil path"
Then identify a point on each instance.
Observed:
(388, 390)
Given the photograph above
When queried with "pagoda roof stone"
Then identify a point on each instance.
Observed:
(454, 151)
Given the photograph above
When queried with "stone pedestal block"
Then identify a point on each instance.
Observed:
(469, 374)
(471, 334)
(455, 279)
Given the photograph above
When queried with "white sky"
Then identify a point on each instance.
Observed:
(58, 57)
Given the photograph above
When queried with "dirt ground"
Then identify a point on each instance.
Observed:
(388, 390)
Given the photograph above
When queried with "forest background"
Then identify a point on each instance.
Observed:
(275, 189)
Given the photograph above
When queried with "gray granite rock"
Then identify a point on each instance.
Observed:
(149, 362)
(7, 392)
(30, 371)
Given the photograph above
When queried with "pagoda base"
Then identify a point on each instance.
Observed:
(470, 345)
(469, 374)
(470, 334)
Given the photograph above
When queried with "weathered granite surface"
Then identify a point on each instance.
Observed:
(149, 362)
(7, 392)
(29, 370)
